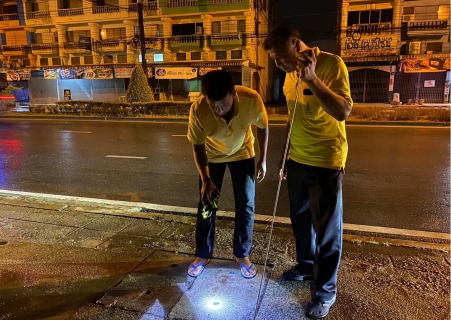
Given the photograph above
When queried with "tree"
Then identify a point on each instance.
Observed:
(139, 89)
(9, 90)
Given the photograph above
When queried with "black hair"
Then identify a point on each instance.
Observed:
(217, 84)
(279, 36)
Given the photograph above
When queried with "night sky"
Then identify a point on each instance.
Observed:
(316, 20)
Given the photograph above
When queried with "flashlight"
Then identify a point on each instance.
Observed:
(209, 208)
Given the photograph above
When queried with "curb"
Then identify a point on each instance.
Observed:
(183, 119)
(139, 210)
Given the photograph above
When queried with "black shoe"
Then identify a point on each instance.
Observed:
(298, 273)
(318, 309)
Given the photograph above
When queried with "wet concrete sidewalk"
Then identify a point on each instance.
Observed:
(68, 259)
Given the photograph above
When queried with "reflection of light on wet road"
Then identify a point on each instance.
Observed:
(125, 157)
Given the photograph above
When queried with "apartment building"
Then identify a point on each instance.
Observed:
(90, 47)
(399, 46)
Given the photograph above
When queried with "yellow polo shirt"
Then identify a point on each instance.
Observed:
(233, 141)
(318, 139)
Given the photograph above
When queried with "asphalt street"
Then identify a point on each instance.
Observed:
(395, 176)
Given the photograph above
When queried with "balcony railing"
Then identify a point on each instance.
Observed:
(12, 48)
(152, 5)
(43, 46)
(105, 9)
(74, 46)
(9, 17)
(38, 15)
(191, 39)
(70, 12)
(110, 45)
(226, 37)
(224, 1)
(423, 25)
(372, 28)
(182, 3)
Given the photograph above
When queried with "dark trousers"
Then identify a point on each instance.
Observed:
(316, 212)
(243, 182)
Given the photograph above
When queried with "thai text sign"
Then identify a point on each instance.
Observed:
(368, 46)
(18, 75)
(425, 65)
(175, 73)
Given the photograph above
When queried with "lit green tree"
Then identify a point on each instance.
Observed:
(139, 89)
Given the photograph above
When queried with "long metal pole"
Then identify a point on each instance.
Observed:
(285, 154)
(142, 37)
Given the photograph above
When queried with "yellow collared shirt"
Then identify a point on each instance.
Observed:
(231, 141)
(318, 139)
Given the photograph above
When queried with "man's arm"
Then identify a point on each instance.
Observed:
(262, 138)
(209, 190)
(335, 105)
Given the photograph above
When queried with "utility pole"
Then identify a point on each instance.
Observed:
(142, 37)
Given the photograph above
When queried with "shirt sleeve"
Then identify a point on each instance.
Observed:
(339, 81)
(262, 117)
(196, 134)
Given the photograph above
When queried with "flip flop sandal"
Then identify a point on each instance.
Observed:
(201, 266)
(249, 271)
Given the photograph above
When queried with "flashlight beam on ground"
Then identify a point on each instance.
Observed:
(69, 131)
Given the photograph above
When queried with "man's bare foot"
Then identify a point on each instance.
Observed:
(247, 268)
(197, 267)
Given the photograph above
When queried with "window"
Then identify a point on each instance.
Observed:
(34, 6)
(121, 58)
(186, 29)
(107, 59)
(242, 26)
(181, 56)
(38, 38)
(158, 57)
(408, 10)
(237, 54)
(426, 13)
(89, 60)
(26, 62)
(221, 55)
(196, 56)
(434, 47)
(56, 61)
(115, 34)
(44, 61)
(370, 16)
(75, 61)
(353, 18)
(74, 36)
(216, 27)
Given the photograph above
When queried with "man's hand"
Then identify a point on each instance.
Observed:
(283, 170)
(306, 65)
(261, 171)
(209, 192)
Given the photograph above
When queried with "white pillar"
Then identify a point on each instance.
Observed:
(167, 34)
(62, 39)
(207, 20)
(130, 33)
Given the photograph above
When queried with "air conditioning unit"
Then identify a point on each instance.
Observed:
(199, 30)
(408, 18)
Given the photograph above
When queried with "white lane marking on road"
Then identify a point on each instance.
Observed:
(69, 131)
(125, 157)
(258, 217)
(179, 135)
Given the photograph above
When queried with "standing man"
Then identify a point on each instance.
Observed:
(220, 131)
(317, 156)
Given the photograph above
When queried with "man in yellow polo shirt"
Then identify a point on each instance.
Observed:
(317, 156)
(220, 131)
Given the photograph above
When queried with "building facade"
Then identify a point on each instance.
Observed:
(398, 46)
(89, 47)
